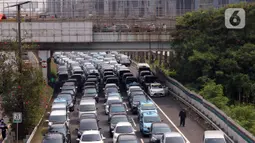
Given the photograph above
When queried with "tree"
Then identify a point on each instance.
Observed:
(21, 92)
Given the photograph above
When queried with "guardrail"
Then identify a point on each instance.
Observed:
(208, 111)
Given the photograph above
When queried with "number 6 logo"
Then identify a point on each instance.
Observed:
(235, 18)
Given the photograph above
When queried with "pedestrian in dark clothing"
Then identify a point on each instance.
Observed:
(4, 128)
(182, 116)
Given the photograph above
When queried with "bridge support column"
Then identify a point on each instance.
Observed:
(160, 57)
(146, 56)
(166, 59)
(156, 55)
(44, 56)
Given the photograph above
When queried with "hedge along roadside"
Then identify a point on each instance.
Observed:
(230, 127)
(40, 121)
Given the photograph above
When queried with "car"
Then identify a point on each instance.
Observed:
(114, 95)
(61, 128)
(134, 102)
(170, 137)
(117, 108)
(63, 88)
(156, 90)
(111, 100)
(157, 130)
(91, 137)
(214, 136)
(135, 93)
(91, 92)
(145, 121)
(60, 106)
(70, 100)
(58, 117)
(54, 137)
(73, 94)
(133, 89)
(146, 107)
(122, 128)
(87, 125)
(127, 138)
(87, 106)
(109, 85)
(115, 119)
(59, 101)
(110, 90)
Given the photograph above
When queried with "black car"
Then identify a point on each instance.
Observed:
(135, 100)
(62, 77)
(87, 125)
(124, 138)
(116, 119)
(54, 137)
(70, 100)
(157, 130)
(91, 92)
(116, 108)
(112, 80)
(61, 128)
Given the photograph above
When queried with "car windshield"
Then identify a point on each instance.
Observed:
(90, 91)
(215, 140)
(156, 86)
(115, 120)
(139, 98)
(148, 107)
(84, 108)
(111, 90)
(57, 118)
(151, 119)
(124, 129)
(60, 129)
(113, 94)
(174, 140)
(157, 130)
(92, 125)
(63, 77)
(91, 137)
(117, 109)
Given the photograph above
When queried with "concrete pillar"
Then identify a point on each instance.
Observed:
(160, 57)
(156, 55)
(146, 55)
(151, 56)
(44, 55)
(165, 59)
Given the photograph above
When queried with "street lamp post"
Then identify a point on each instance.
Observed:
(18, 5)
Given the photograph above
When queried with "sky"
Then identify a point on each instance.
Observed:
(10, 2)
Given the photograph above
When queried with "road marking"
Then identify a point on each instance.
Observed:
(142, 140)
(133, 122)
(170, 120)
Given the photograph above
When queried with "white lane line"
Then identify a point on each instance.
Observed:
(170, 120)
(142, 140)
(133, 122)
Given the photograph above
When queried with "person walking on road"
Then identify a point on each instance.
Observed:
(182, 116)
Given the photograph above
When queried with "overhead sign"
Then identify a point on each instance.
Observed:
(17, 117)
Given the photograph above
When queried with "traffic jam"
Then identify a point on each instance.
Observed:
(100, 99)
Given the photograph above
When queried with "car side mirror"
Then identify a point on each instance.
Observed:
(77, 139)
(47, 121)
(112, 131)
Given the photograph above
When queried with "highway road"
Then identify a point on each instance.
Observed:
(168, 109)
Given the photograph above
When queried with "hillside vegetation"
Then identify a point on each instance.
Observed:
(217, 62)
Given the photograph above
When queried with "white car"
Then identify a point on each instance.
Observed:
(110, 100)
(133, 88)
(58, 116)
(169, 137)
(91, 137)
(122, 128)
(87, 106)
(156, 90)
(214, 136)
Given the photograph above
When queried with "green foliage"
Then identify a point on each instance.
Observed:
(218, 61)
(21, 92)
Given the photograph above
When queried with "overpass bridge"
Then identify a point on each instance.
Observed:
(80, 36)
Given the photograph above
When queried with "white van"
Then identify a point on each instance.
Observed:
(214, 136)
(87, 106)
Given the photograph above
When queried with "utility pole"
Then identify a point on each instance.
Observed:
(18, 5)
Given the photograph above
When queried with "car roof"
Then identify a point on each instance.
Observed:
(59, 105)
(127, 136)
(57, 125)
(135, 87)
(123, 124)
(88, 120)
(172, 134)
(119, 115)
(155, 83)
(58, 99)
(213, 134)
(113, 98)
(88, 101)
(58, 112)
(52, 135)
(146, 102)
(159, 124)
(90, 132)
